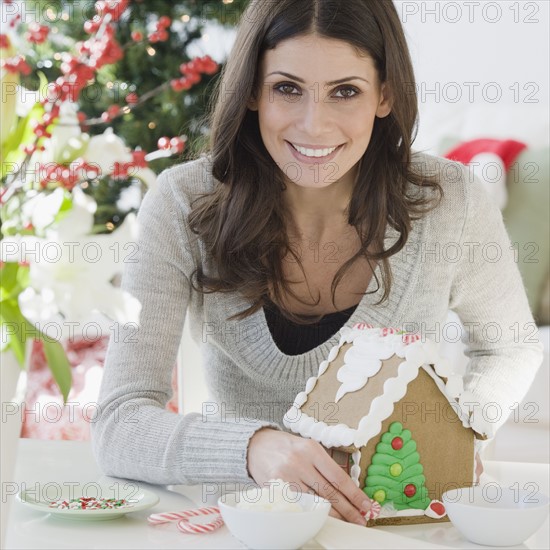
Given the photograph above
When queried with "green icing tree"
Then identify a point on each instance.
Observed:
(395, 474)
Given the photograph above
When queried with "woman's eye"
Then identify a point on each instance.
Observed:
(285, 89)
(348, 92)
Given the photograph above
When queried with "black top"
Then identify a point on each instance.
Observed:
(294, 339)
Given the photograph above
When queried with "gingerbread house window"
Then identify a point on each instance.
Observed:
(341, 458)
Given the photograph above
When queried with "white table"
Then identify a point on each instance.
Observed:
(61, 461)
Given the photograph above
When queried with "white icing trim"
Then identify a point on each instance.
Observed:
(416, 354)
(388, 511)
(382, 406)
(361, 362)
(452, 399)
(355, 470)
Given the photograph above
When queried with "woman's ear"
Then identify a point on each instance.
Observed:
(252, 103)
(386, 102)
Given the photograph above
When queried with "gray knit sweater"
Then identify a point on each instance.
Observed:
(457, 257)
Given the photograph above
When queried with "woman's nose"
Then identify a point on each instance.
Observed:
(315, 117)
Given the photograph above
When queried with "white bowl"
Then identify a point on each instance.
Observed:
(267, 530)
(496, 515)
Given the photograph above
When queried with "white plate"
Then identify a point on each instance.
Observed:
(39, 497)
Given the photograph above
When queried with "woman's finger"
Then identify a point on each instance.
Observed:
(340, 503)
(342, 483)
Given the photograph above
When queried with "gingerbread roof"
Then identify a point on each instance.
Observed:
(360, 382)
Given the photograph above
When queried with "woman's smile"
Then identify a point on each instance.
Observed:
(313, 155)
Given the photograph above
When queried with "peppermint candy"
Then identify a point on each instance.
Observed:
(374, 511)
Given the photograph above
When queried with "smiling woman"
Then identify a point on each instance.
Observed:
(307, 192)
(315, 122)
(328, 125)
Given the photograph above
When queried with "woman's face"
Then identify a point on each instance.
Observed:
(316, 108)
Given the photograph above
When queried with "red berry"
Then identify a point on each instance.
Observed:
(4, 41)
(193, 66)
(185, 83)
(397, 443)
(209, 65)
(165, 21)
(163, 143)
(132, 98)
(163, 35)
(194, 78)
(410, 490)
(91, 26)
(137, 36)
(113, 110)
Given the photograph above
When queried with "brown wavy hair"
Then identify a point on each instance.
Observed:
(242, 222)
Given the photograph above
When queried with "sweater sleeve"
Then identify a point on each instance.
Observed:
(488, 295)
(133, 435)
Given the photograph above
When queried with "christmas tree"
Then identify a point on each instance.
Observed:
(395, 474)
(147, 88)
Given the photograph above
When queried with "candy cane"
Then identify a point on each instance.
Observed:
(183, 523)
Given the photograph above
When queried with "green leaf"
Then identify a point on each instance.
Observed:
(22, 135)
(65, 208)
(11, 315)
(8, 279)
(59, 364)
(74, 148)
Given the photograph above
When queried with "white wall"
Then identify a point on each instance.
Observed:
(478, 51)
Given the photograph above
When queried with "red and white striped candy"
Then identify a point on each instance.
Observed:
(183, 523)
(375, 509)
(362, 326)
(389, 330)
(409, 338)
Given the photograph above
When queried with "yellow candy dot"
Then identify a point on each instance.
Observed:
(396, 469)
(379, 496)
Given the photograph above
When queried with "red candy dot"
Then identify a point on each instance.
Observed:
(397, 443)
(438, 508)
(410, 490)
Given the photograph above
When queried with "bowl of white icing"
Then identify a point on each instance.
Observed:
(276, 516)
(496, 515)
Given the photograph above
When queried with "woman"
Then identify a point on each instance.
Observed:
(307, 211)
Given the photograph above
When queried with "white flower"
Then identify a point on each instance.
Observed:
(42, 209)
(71, 270)
(106, 149)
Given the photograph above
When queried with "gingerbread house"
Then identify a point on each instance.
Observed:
(388, 409)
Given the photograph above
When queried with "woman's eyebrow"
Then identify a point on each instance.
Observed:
(331, 83)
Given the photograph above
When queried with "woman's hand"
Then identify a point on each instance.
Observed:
(478, 467)
(274, 454)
